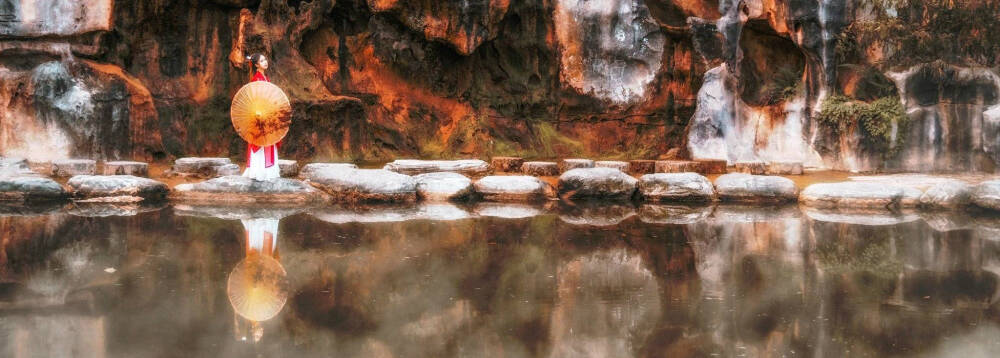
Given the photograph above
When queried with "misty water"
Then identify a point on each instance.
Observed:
(490, 280)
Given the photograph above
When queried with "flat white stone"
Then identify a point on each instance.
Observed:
(676, 187)
(512, 188)
(859, 195)
(471, 167)
(603, 183)
(443, 186)
(754, 188)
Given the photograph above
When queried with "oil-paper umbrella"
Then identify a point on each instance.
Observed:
(261, 113)
(257, 288)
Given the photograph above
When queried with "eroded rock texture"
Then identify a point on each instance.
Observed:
(380, 79)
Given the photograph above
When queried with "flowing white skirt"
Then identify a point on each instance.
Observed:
(262, 235)
(255, 168)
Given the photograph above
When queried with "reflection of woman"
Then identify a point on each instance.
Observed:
(261, 161)
(258, 285)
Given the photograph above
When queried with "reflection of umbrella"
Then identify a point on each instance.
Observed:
(258, 288)
(261, 113)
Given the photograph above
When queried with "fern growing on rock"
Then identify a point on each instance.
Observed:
(881, 122)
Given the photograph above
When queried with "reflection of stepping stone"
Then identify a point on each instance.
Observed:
(138, 169)
(117, 187)
(469, 167)
(540, 169)
(236, 189)
(70, 167)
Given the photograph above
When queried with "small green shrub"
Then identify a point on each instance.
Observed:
(874, 119)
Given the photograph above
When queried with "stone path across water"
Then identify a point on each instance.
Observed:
(469, 181)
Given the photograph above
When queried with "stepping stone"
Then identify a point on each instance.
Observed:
(570, 164)
(138, 169)
(859, 195)
(751, 167)
(30, 188)
(642, 167)
(364, 185)
(289, 168)
(507, 164)
(237, 189)
(784, 168)
(204, 167)
(70, 167)
(987, 195)
(947, 195)
(603, 183)
(676, 187)
(711, 166)
(513, 188)
(738, 187)
(469, 167)
(443, 186)
(540, 169)
(613, 164)
(677, 166)
(313, 168)
(110, 186)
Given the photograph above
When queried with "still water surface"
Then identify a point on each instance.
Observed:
(497, 281)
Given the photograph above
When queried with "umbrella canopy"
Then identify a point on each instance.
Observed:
(261, 113)
(258, 288)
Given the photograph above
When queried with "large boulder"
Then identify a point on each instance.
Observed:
(443, 186)
(236, 189)
(739, 187)
(987, 195)
(676, 187)
(603, 183)
(364, 185)
(470, 167)
(513, 188)
(112, 186)
(860, 195)
(30, 188)
(948, 194)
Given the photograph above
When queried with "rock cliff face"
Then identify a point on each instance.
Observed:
(375, 79)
